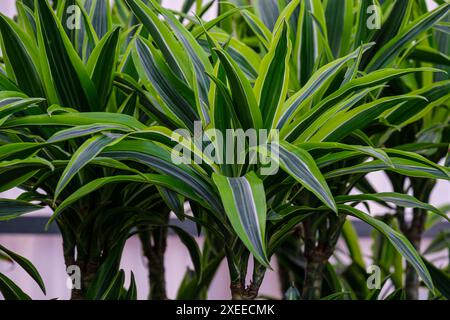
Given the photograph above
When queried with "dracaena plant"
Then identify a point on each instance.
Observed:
(426, 134)
(43, 62)
(322, 97)
(329, 21)
(69, 73)
(328, 28)
(181, 84)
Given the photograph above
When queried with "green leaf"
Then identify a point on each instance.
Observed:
(391, 50)
(398, 15)
(195, 52)
(368, 82)
(273, 81)
(178, 101)
(315, 84)
(269, 11)
(84, 154)
(100, 14)
(440, 242)
(65, 77)
(363, 33)
(85, 130)
(257, 26)
(299, 164)
(13, 173)
(13, 149)
(11, 103)
(155, 179)
(102, 65)
(76, 119)
(429, 54)
(193, 248)
(440, 279)
(337, 15)
(10, 290)
(370, 151)
(26, 265)
(245, 57)
(164, 39)
(289, 219)
(398, 240)
(160, 160)
(87, 37)
(107, 273)
(132, 290)
(306, 42)
(115, 287)
(406, 167)
(10, 209)
(245, 204)
(200, 30)
(435, 94)
(352, 241)
(345, 122)
(7, 84)
(292, 294)
(244, 100)
(20, 57)
(399, 199)
(174, 201)
(286, 13)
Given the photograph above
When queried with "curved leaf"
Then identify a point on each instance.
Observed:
(84, 154)
(26, 265)
(398, 240)
(10, 209)
(245, 204)
(301, 166)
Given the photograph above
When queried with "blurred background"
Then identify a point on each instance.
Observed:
(26, 236)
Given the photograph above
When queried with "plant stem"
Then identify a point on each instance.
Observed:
(318, 250)
(414, 231)
(312, 287)
(237, 290)
(414, 235)
(75, 294)
(154, 244)
(259, 271)
(88, 271)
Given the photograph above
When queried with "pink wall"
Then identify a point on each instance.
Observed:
(45, 252)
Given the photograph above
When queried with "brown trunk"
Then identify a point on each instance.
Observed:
(240, 292)
(320, 242)
(88, 272)
(77, 294)
(312, 286)
(154, 245)
(414, 231)
(237, 291)
(259, 271)
(157, 277)
(414, 235)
